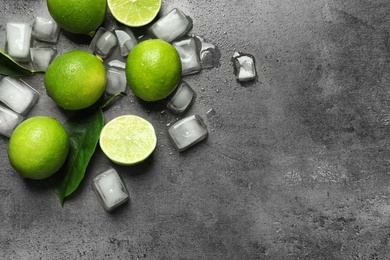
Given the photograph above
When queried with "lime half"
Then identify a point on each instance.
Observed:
(134, 13)
(128, 139)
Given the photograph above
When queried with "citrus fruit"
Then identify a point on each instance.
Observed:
(78, 16)
(75, 80)
(153, 69)
(128, 139)
(38, 147)
(134, 13)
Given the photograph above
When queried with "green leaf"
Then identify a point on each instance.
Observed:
(84, 131)
(9, 67)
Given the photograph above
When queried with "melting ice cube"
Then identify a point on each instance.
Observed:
(189, 55)
(9, 120)
(110, 190)
(172, 26)
(244, 66)
(41, 57)
(209, 54)
(182, 99)
(116, 81)
(188, 132)
(103, 43)
(126, 40)
(117, 64)
(19, 41)
(45, 30)
(17, 95)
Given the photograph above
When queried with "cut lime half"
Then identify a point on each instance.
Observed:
(134, 13)
(128, 139)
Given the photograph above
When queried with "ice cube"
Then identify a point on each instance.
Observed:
(188, 132)
(19, 41)
(45, 30)
(110, 190)
(41, 57)
(9, 120)
(126, 40)
(17, 95)
(209, 54)
(117, 64)
(182, 99)
(244, 66)
(116, 81)
(172, 26)
(103, 43)
(189, 55)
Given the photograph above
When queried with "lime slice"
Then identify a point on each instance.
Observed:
(134, 13)
(128, 139)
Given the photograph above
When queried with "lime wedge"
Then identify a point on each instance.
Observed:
(128, 139)
(134, 13)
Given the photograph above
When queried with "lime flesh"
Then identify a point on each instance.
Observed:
(128, 139)
(134, 13)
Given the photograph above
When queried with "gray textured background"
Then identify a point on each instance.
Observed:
(296, 165)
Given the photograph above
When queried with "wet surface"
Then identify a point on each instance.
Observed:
(296, 164)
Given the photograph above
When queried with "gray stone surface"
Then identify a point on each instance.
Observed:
(296, 165)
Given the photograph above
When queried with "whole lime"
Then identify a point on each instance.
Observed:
(38, 147)
(153, 69)
(78, 16)
(75, 80)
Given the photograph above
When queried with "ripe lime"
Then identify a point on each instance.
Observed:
(78, 16)
(75, 80)
(153, 69)
(134, 13)
(38, 147)
(128, 139)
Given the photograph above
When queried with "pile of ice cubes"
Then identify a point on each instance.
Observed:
(16, 96)
(22, 39)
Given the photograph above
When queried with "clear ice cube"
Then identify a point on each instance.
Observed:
(110, 190)
(117, 64)
(9, 120)
(182, 99)
(244, 66)
(189, 55)
(19, 41)
(103, 43)
(209, 54)
(116, 81)
(41, 57)
(17, 95)
(188, 132)
(172, 26)
(45, 30)
(126, 40)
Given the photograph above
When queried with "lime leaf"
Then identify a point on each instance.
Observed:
(84, 131)
(9, 67)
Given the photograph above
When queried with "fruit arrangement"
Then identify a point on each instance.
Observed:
(76, 80)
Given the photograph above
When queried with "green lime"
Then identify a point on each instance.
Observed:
(134, 13)
(78, 16)
(38, 147)
(75, 80)
(153, 69)
(128, 139)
